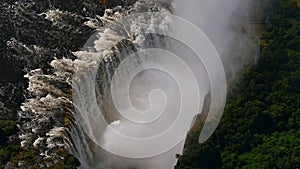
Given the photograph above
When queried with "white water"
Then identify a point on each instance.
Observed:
(225, 23)
(222, 21)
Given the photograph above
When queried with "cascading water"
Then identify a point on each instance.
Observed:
(115, 44)
(79, 108)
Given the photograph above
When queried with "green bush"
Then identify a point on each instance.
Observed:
(7, 152)
(8, 127)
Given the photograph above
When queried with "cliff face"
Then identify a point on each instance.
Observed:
(32, 34)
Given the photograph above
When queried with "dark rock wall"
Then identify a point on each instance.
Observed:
(29, 40)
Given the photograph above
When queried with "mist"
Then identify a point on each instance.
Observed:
(227, 24)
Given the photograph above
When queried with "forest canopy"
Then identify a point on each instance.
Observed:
(261, 122)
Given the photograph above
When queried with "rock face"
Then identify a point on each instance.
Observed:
(33, 33)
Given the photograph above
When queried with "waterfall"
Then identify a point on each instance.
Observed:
(94, 106)
(81, 104)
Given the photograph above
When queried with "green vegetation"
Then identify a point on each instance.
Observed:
(11, 152)
(260, 127)
(280, 150)
(7, 128)
(7, 152)
(69, 162)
